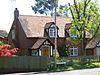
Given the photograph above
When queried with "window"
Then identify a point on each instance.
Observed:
(73, 51)
(72, 36)
(13, 34)
(34, 52)
(52, 32)
(98, 44)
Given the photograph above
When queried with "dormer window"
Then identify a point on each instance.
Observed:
(52, 32)
(50, 29)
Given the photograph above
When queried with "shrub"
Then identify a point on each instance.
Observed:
(5, 51)
(63, 50)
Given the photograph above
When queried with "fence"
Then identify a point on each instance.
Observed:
(30, 63)
(22, 63)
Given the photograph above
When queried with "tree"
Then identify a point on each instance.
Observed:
(44, 6)
(5, 51)
(47, 7)
(63, 10)
(85, 19)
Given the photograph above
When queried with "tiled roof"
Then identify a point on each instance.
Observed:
(33, 26)
(48, 24)
(92, 43)
(38, 43)
(67, 26)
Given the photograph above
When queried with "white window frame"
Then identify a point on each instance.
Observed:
(52, 32)
(74, 51)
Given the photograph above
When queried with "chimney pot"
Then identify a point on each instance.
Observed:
(16, 13)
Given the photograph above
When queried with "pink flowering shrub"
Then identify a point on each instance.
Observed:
(5, 51)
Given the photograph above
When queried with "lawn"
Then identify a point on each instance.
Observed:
(74, 66)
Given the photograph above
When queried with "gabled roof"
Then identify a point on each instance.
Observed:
(39, 42)
(93, 43)
(67, 26)
(47, 25)
(33, 26)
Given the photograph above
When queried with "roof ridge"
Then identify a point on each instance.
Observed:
(43, 16)
(34, 15)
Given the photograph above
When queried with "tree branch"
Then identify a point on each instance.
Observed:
(73, 17)
(85, 6)
(71, 11)
(95, 32)
(76, 8)
(87, 2)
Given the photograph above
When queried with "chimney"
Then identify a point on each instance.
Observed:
(16, 13)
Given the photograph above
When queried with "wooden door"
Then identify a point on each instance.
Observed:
(45, 51)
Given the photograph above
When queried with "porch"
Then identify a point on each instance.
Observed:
(43, 47)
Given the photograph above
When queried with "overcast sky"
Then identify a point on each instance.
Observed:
(24, 6)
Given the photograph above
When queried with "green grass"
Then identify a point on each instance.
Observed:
(75, 66)
(97, 64)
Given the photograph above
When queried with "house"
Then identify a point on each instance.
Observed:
(35, 35)
(93, 47)
(3, 36)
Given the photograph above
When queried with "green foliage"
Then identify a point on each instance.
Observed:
(1, 43)
(75, 66)
(76, 63)
(63, 10)
(63, 50)
(86, 17)
(74, 41)
(71, 65)
(85, 21)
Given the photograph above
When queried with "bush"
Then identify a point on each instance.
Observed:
(5, 51)
(63, 50)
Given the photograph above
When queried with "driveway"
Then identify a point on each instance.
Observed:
(93, 71)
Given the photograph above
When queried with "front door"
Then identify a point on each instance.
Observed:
(45, 51)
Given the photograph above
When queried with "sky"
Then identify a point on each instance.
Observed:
(7, 8)
(24, 6)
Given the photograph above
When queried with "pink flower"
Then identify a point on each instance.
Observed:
(8, 54)
(5, 51)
